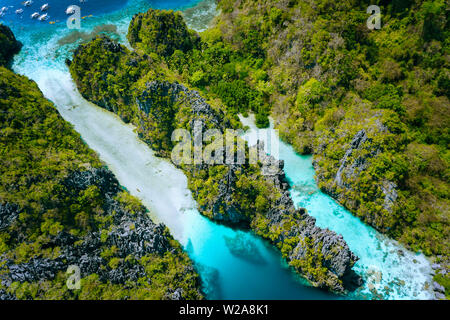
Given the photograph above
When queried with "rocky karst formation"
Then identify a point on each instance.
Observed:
(165, 31)
(373, 112)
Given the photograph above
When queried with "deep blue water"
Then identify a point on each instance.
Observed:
(233, 264)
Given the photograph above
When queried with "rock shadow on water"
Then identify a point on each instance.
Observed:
(209, 276)
(242, 247)
(210, 281)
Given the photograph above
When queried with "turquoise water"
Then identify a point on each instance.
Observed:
(233, 264)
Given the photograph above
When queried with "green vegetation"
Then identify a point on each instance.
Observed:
(206, 63)
(324, 77)
(56, 199)
(163, 31)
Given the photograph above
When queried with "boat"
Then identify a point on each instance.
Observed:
(28, 3)
(19, 11)
(43, 17)
(35, 15)
(70, 10)
(45, 7)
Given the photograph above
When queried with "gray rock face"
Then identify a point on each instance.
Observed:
(6, 296)
(176, 295)
(443, 267)
(439, 296)
(200, 110)
(201, 116)
(436, 266)
(36, 269)
(390, 194)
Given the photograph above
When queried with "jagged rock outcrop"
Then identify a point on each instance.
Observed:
(355, 167)
(35, 270)
(344, 177)
(352, 169)
(338, 258)
(198, 116)
(162, 32)
(441, 270)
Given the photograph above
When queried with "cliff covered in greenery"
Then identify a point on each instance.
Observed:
(60, 207)
(142, 90)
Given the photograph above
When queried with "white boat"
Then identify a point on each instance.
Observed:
(45, 7)
(70, 10)
(35, 15)
(43, 17)
(19, 11)
(28, 3)
(4, 9)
